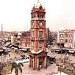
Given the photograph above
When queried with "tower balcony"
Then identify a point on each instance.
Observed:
(41, 38)
(37, 18)
(32, 38)
(38, 38)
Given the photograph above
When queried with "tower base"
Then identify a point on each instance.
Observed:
(38, 61)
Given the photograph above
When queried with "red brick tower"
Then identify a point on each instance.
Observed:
(38, 54)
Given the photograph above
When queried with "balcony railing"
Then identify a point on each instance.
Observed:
(38, 38)
(42, 38)
(38, 19)
(32, 38)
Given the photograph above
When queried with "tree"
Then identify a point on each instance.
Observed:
(5, 68)
(51, 38)
(17, 67)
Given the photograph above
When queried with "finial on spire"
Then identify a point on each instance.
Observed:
(37, 1)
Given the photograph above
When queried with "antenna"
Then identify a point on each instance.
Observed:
(2, 28)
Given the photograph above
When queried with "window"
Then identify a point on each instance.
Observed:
(70, 35)
(38, 16)
(33, 24)
(61, 40)
(65, 40)
(40, 34)
(32, 33)
(66, 34)
(70, 40)
(32, 44)
(40, 24)
(61, 35)
(40, 44)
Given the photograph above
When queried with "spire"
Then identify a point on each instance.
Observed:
(37, 1)
(38, 4)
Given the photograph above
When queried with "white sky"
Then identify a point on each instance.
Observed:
(16, 14)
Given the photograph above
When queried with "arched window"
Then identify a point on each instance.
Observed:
(66, 40)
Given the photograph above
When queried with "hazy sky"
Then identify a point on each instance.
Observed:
(16, 14)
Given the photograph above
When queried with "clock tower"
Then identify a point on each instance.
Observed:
(38, 54)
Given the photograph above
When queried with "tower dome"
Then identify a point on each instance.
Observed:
(37, 5)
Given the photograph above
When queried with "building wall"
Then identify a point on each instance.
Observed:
(25, 42)
(38, 54)
(25, 39)
(66, 37)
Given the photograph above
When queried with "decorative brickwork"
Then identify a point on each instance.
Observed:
(38, 54)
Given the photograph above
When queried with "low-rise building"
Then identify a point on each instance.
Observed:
(25, 39)
(66, 38)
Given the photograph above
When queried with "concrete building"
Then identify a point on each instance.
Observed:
(66, 38)
(38, 54)
(15, 38)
